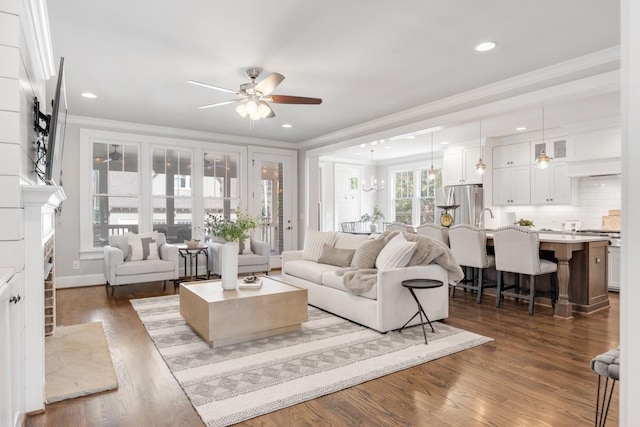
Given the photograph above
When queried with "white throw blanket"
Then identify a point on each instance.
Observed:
(428, 251)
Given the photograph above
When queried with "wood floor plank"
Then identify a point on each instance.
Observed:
(535, 372)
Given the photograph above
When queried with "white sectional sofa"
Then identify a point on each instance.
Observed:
(386, 306)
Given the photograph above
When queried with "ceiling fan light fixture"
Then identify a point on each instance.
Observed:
(251, 106)
(263, 109)
(242, 110)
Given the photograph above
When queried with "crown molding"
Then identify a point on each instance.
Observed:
(607, 60)
(35, 23)
(176, 132)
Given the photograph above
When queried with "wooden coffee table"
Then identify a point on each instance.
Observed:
(227, 317)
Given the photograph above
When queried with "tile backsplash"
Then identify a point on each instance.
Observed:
(596, 196)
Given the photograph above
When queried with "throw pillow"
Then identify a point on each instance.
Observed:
(367, 252)
(314, 241)
(247, 246)
(142, 246)
(336, 256)
(396, 253)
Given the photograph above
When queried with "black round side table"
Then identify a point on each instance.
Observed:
(420, 284)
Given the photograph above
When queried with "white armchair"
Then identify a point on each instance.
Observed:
(256, 262)
(118, 271)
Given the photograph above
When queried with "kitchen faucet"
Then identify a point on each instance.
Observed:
(481, 217)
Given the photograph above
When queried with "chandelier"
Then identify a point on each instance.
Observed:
(374, 182)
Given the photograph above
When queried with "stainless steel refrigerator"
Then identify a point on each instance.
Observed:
(468, 198)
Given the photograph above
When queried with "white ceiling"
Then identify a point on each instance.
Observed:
(365, 59)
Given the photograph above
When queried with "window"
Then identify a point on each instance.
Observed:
(172, 197)
(114, 191)
(413, 199)
(221, 186)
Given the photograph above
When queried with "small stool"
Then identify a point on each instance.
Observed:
(420, 284)
(606, 365)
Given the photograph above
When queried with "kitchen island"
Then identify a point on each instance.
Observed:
(582, 271)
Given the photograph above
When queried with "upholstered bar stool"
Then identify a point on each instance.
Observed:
(517, 250)
(605, 365)
(469, 247)
(435, 231)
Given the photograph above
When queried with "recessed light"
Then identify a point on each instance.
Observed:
(521, 128)
(411, 137)
(287, 125)
(89, 95)
(444, 142)
(363, 145)
(357, 154)
(485, 46)
(374, 142)
(388, 147)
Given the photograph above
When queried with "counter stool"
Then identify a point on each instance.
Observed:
(420, 284)
(605, 365)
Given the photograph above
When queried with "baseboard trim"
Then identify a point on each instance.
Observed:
(79, 281)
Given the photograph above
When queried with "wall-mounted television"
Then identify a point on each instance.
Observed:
(54, 133)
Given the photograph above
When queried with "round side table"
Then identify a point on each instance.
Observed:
(420, 284)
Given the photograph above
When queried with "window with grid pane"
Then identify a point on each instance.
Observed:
(414, 196)
(172, 197)
(115, 187)
(221, 186)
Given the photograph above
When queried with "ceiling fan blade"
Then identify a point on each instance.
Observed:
(270, 114)
(266, 86)
(193, 82)
(286, 99)
(217, 104)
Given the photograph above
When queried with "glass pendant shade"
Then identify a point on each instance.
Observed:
(543, 160)
(480, 167)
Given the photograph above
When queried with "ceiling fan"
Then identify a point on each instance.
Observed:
(253, 98)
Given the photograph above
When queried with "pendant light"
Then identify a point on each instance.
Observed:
(432, 172)
(480, 166)
(374, 182)
(542, 161)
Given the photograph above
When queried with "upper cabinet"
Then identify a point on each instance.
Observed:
(557, 148)
(459, 166)
(506, 156)
(605, 143)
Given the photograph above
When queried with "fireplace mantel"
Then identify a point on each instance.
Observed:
(40, 202)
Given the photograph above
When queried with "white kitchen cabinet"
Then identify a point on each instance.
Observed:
(506, 156)
(601, 144)
(512, 186)
(12, 345)
(550, 186)
(559, 149)
(459, 166)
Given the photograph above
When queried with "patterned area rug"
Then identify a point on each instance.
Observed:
(230, 384)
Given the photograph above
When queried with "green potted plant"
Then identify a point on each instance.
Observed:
(373, 218)
(525, 222)
(231, 232)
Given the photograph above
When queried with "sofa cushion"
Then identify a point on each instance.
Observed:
(367, 252)
(308, 270)
(132, 268)
(331, 280)
(251, 259)
(314, 241)
(142, 246)
(396, 253)
(350, 241)
(336, 256)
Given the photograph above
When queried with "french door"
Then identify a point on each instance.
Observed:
(272, 194)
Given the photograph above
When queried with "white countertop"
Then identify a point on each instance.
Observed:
(564, 238)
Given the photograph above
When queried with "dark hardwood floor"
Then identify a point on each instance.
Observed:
(535, 373)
